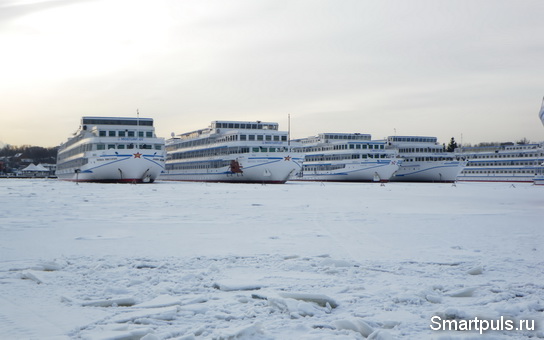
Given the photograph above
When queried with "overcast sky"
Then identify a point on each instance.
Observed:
(469, 69)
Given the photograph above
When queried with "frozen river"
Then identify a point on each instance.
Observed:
(294, 261)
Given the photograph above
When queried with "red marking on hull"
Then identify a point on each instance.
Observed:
(494, 181)
(124, 180)
(233, 182)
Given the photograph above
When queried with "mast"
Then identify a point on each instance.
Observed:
(288, 130)
(137, 124)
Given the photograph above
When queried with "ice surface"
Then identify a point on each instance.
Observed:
(297, 261)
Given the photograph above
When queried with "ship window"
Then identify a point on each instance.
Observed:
(121, 133)
(277, 138)
(111, 133)
(111, 146)
(236, 126)
(130, 133)
(149, 134)
(102, 133)
(255, 149)
(231, 125)
(268, 137)
(243, 137)
(284, 138)
(251, 137)
(272, 149)
(260, 137)
(140, 133)
(120, 146)
(130, 146)
(100, 147)
(242, 126)
(158, 147)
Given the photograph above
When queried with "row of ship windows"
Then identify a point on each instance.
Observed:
(229, 138)
(324, 167)
(74, 151)
(129, 146)
(245, 126)
(222, 151)
(91, 147)
(512, 155)
(412, 150)
(318, 158)
(198, 165)
(348, 137)
(276, 138)
(413, 139)
(498, 171)
(429, 159)
(505, 163)
(125, 133)
(342, 147)
(76, 163)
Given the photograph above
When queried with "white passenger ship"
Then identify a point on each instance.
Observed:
(112, 149)
(348, 157)
(539, 176)
(424, 160)
(508, 162)
(231, 151)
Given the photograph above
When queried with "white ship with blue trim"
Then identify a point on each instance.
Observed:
(539, 175)
(424, 160)
(506, 162)
(112, 149)
(231, 151)
(345, 157)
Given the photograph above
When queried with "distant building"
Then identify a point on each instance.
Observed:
(35, 171)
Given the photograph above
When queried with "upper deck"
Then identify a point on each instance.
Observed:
(228, 127)
(333, 138)
(244, 125)
(392, 140)
(219, 131)
(504, 150)
(128, 121)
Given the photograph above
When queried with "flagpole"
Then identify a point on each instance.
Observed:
(289, 131)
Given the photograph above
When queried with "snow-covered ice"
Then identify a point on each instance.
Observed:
(243, 261)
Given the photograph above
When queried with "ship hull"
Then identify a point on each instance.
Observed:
(497, 178)
(251, 168)
(379, 171)
(139, 166)
(432, 171)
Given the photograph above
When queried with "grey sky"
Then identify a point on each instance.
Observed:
(467, 69)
